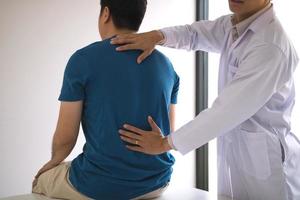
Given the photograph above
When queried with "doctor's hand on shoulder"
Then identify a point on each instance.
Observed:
(148, 142)
(139, 41)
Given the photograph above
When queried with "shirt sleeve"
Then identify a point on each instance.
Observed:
(175, 89)
(202, 35)
(261, 73)
(75, 78)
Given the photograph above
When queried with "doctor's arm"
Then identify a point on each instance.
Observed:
(262, 72)
(202, 35)
(65, 135)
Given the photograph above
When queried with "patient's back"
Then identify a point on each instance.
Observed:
(117, 90)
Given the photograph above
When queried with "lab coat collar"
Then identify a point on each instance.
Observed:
(242, 26)
(260, 22)
(263, 20)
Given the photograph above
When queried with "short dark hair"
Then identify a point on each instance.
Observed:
(127, 14)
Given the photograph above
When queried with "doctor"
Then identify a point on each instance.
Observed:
(258, 156)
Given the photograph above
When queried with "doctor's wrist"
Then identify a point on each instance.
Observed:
(166, 145)
(158, 37)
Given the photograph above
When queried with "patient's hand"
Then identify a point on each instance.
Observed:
(149, 142)
(49, 165)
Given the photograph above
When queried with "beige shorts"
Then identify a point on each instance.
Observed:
(55, 184)
(153, 194)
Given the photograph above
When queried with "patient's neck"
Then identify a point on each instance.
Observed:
(114, 31)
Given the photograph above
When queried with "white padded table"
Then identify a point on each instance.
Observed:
(170, 194)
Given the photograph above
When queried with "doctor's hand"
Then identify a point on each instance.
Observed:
(148, 142)
(142, 41)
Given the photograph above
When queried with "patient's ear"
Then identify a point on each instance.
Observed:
(106, 15)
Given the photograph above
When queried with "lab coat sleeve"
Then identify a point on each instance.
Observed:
(202, 35)
(262, 71)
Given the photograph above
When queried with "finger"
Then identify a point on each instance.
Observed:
(34, 183)
(131, 141)
(127, 47)
(134, 129)
(42, 170)
(142, 57)
(130, 135)
(38, 174)
(135, 148)
(153, 125)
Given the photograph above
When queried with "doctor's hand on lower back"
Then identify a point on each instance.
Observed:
(142, 41)
(148, 142)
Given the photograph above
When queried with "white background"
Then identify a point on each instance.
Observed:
(37, 37)
(288, 13)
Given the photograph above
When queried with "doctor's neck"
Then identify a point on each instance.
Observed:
(247, 9)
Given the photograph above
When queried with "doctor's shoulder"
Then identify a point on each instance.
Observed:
(275, 35)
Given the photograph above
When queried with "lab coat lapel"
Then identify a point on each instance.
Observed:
(255, 26)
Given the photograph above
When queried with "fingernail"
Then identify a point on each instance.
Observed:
(120, 131)
(125, 126)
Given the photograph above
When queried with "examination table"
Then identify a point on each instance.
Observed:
(170, 194)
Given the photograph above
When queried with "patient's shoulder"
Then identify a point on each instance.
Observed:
(96, 46)
(161, 57)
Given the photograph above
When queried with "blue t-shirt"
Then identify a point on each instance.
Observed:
(116, 90)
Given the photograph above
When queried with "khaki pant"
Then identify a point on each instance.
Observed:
(55, 184)
(153, 194)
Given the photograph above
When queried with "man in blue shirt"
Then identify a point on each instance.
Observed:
(104, 89)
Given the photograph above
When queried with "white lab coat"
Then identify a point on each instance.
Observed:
(258, 156)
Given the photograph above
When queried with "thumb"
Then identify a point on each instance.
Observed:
(153, 125)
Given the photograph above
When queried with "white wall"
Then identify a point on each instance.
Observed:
(37, 38)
